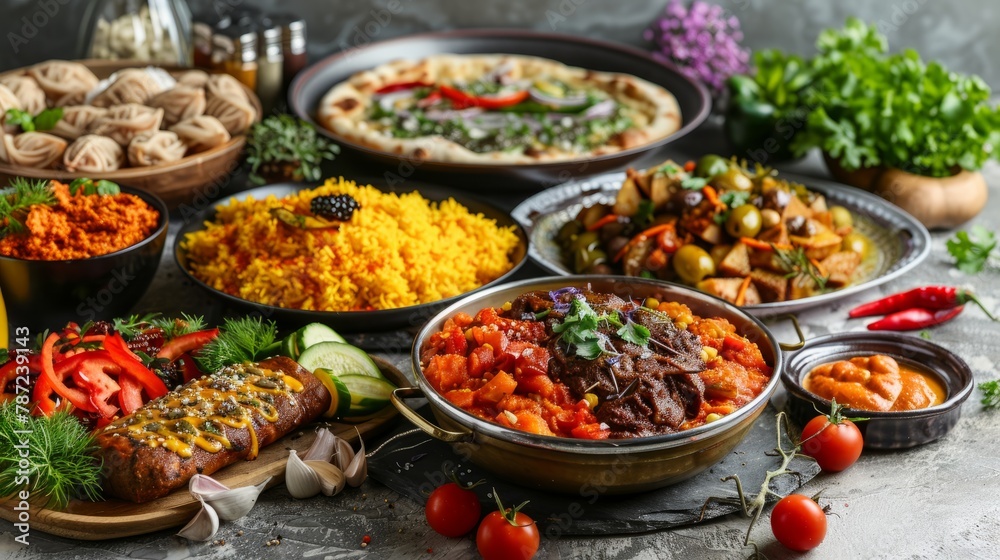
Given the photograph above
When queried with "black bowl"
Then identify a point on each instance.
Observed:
(43, 295)
(883, 430)
(352, 321)
(312, 84)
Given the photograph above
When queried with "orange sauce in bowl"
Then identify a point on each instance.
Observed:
(876, 383)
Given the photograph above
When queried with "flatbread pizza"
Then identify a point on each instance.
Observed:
(496, 109)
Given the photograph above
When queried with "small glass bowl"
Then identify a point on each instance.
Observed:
(883, 430)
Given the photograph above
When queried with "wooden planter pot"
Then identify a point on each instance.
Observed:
(937, 202)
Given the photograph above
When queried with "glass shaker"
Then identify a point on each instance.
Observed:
(155, 31)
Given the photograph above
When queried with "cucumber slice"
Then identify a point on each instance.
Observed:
(273, 349)
(314, 333)
(368, 394)
(288, 347)
(341, 359)
(340, 401)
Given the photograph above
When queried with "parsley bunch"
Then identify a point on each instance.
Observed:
(287, 143)
(870, 108)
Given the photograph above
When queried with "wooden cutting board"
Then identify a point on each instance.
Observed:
(114, 518)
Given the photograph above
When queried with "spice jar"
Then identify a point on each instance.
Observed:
(156, 31)
(293, 42)
(269, 64)
(234, 51)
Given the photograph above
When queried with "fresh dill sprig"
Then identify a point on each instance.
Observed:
(795, 263)
(59, 453)
(179, 326)
(132, 325)
(240, 340)
(16, 201)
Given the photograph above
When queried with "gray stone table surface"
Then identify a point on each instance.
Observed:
(941, 500)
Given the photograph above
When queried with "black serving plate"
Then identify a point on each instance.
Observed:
(312, 84)
(43, 295)
(352, 321)
(883, 430)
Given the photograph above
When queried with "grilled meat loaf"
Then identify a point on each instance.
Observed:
(205, 425)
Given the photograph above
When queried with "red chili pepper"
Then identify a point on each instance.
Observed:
(130, 396)
(91, 375)
(928, 297)
(75, 396)
(462, 100)
(186, 344)
(915, 318)
(189, 368)
(401, 86)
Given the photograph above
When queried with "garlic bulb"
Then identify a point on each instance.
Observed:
(331, 478)
(203, 526)
(313, 473)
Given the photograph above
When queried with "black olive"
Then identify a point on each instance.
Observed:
(684, 200)
(615, 245)
(776, 199)
(800, 226)
(611, 230)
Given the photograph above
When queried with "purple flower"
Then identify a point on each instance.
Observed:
(702, 40)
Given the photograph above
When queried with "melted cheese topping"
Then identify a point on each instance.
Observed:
(198, 413)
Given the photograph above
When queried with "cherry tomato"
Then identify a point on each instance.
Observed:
(452, 510)
(834, 442)
(798, 522)
(507, 534)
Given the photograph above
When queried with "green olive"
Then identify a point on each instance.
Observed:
(584, 259)
(586, 240)
(711, 165)
(568, 231)
(732, 179)
(859, 243)
(841, 217)
(744, 221)
(693, 264)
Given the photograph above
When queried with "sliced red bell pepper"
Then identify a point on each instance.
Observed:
(131, 365)
(91, 375)
(462, 100)
(431, 99)
(189, 368)
(185, 344)
(401, 86)
(130, 396)
(75, 396)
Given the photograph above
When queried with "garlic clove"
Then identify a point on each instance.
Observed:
(203, 484)
(345, 453)
(203, 526)
(235, 503)
(357, 470)
(331, 478)
(322, 447)
(301, 480)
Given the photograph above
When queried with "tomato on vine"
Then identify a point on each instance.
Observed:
(453, 509)
(798, 522)
(834, 441)
(507, 534)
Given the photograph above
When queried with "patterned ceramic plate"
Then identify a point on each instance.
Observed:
(901, 240)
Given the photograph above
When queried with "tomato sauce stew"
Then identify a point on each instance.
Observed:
(576, 363)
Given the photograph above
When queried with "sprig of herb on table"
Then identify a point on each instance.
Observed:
(972, 249)
(579, 327)
(286, 141)
(58, 453)
(16, 201)
(991, 393)
(240, 340)
(46, 120)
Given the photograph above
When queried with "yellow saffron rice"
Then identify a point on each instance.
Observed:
(396, 251)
